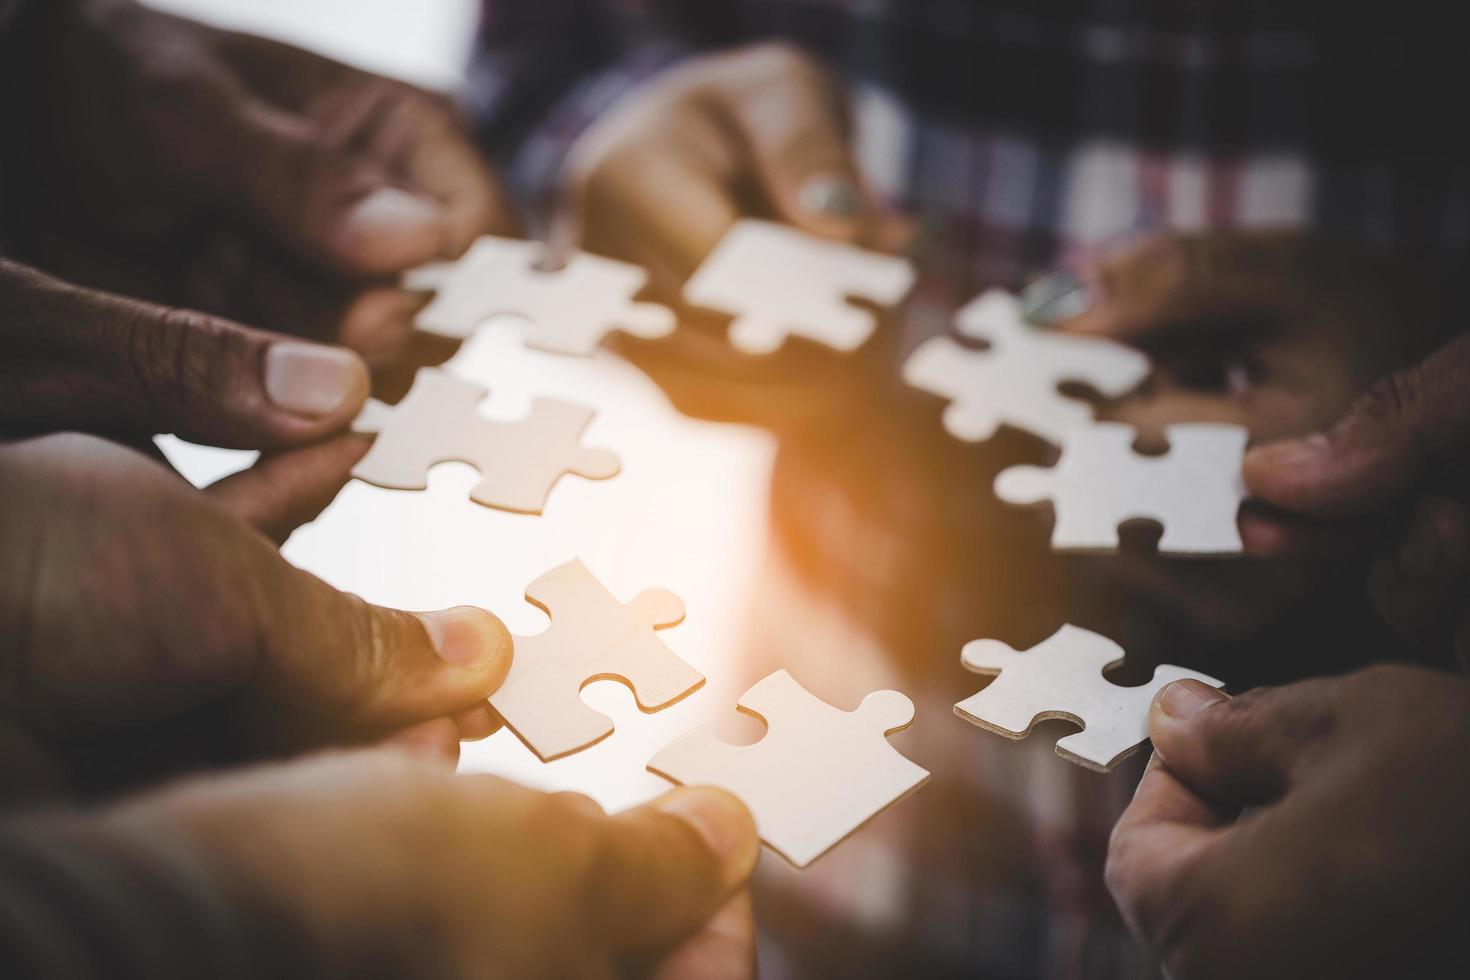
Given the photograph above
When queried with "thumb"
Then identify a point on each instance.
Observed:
(793, 121)
(80, 359)
(338, 655)
(1168, 281)
(332, 207)
(1393, 436)
(1237, 751)
(665, 869)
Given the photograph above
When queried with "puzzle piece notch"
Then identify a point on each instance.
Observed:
(778, 281)
(817, 775)
(592, 637)
(1016, 379)
(1194, 490)
(570, 310)
(1062, 677)
(438, 421)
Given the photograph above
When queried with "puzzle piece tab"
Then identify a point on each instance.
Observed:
(570, 309)
(817, 775)
(592, 637)
(777, 281)
(1015, 380)
(1062, 677)
(438, 421)
(1194, 490)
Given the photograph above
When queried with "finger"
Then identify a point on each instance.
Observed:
(334, 653)
(1423, 580)
(1270, 533)
(724, 949)
(666, 868)
(444, 164)
(477, 722)
(278, 172)
(80, 359)
(413, 135)
(1236, 751)
(249, 278)
(1155, 845)
(435, 740)
(1397, 433)
(282, 492)
(663, 210)
(793, 121)
(1171, 281)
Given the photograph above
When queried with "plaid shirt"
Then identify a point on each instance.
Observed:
(1025, 134)
(1022, 134)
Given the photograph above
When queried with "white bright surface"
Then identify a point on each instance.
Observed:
(687, 512)
(423, 41)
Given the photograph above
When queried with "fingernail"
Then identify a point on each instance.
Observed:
(391, 226)
(1297, 452)
(312, 380)
(466, 636)
(831, 198)
(1060, 294)
(394, 211)
(1186, 698)
(721, 820)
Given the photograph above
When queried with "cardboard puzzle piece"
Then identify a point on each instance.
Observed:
(592, 637)
(777, 281)
(570, 309)
(1194, 490)
(1062, 677)
(438, 421)
(1015, 380)
(817, 775)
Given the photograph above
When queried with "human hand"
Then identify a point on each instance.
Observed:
(83, 360)
(661, 177)
(1398, 460)
(1273, 330)
(146, 626)
(392, 866)
(1352, 862)
(290, 187)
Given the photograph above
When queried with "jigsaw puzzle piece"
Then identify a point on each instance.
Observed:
(438, 421)
(817, 775)
(570, 310)
(1194, 490)
(776, 281)
(1062, 677)
(1111, 736)
(419, 432)
(546, 444)
(1015, 380)
(592, 637)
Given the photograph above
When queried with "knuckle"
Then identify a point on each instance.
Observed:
(1390, 401)
(200, 358)
(358, 682)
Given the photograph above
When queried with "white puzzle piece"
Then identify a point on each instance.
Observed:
(1015, 380)
(1062, 677)
(438, 421)
(570, 309)
(592, 637)
(1194, 490)
(817, 775)
(777, 281)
